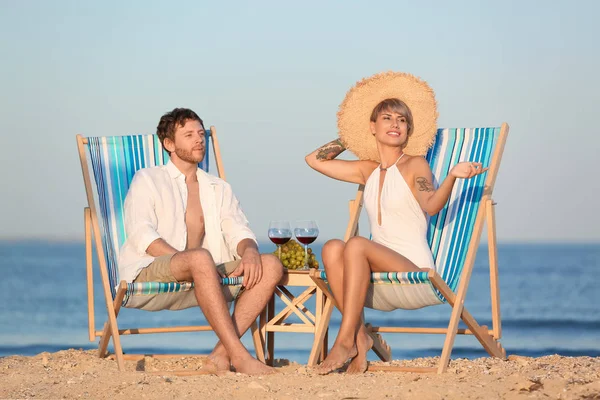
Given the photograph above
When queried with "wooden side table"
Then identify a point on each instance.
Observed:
(269, 323)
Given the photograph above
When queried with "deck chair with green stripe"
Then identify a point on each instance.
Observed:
(453, 236)
(113, 161)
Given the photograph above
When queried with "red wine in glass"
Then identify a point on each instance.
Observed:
(281, 240)
(279, 233)
(306, 232)
(306, 239)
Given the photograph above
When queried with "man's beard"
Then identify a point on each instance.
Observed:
(188, 156)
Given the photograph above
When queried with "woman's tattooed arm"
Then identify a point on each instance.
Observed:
(430, 199)
(424, 185)
(330, 150)
(323, 160)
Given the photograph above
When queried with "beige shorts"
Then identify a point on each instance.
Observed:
(160, 271)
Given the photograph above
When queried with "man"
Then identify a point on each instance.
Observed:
(185, 225)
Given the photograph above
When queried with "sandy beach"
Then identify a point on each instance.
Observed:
(80, 374)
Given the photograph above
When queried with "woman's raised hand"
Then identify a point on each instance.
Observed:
(467, 170)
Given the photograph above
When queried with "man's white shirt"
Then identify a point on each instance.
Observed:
(155, 208)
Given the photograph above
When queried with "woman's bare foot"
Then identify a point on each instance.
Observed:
(251, 366)
(364, 342)
(336, 359)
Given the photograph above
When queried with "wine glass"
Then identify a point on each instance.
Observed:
(306, 232)
(279, 233)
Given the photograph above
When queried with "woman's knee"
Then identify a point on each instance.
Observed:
(332, 250)
(355, 246)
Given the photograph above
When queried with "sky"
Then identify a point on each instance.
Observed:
(270, 75)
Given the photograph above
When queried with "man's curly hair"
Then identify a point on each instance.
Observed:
(172, 120)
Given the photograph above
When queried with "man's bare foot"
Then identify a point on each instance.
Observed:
(251, 366)
(217, 363)
(364, 342)
(336, 359)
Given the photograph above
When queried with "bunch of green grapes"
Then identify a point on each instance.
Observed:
(292, 255)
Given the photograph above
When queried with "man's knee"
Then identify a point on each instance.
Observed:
(272, 268)
(198, 261)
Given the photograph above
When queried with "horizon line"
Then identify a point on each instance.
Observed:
(264, 240)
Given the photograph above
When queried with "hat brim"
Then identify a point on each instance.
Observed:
(355, 112)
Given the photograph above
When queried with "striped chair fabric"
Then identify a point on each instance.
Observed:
(450, 231)
(114, 161)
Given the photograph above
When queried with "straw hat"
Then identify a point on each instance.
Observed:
(355, 112)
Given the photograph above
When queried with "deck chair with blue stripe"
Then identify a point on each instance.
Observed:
(453, 236)
(113, 161)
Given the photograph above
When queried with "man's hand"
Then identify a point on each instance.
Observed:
(250, 267)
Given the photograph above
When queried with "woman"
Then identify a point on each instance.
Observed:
(398, 192)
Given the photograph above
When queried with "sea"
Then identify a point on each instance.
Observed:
(549, 296)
